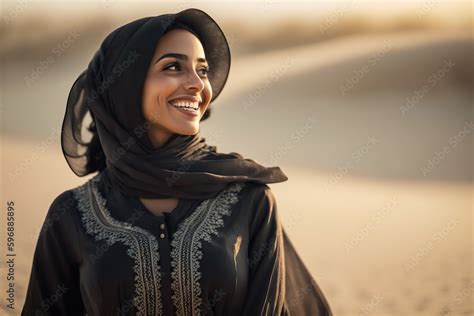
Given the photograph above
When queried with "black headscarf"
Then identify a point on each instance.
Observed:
(110, 91)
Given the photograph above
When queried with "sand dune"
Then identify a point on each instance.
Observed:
(380, 237)
(362, 93)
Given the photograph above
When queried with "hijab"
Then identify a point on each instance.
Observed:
(104, 126)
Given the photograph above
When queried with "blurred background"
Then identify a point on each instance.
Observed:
(365, 105)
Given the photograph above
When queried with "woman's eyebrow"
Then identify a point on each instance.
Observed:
(179, 56)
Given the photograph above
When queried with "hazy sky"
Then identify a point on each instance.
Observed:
(267, 8)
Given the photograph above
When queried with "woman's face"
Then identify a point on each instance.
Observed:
(177, 90)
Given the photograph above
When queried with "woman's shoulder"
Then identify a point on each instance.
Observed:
(60, 228)
(260, 206)
(258, 192)
(245, 195)
(62, 203)
(257, 200)
(68, 201)
(60, 216)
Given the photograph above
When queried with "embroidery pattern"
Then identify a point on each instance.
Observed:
(142, 245)
(186, 246)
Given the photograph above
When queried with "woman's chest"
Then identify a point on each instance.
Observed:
(185, 265)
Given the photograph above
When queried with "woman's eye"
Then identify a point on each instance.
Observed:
(172, 65)
(205, 70)
(177, 67)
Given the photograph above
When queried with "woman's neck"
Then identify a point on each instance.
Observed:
(158, 206)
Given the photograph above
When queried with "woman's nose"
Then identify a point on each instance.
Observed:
(193, 81)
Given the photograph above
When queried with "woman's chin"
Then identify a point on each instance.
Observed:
(191, 129)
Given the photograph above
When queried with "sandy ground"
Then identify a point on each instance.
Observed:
(381, 217)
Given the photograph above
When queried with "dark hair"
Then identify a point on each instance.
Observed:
(96, 159)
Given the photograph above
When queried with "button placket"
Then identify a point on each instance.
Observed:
(162, 231)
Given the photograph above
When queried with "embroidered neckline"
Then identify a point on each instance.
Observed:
(142, 245)
(186, 244)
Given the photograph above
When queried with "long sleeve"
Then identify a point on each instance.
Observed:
(266, 287)
(53, 287)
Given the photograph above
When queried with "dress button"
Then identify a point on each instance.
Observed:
(162, 236)
(162, 226)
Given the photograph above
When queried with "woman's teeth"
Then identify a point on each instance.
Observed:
(188, 106)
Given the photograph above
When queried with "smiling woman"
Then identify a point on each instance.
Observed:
(177, 89)
(168, 225)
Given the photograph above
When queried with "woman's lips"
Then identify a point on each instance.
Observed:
(189, 113)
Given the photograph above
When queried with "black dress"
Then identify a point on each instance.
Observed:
(103, 253)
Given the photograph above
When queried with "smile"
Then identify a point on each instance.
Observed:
(189, 109)
(185, 105)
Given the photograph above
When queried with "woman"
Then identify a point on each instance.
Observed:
(168, 226)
